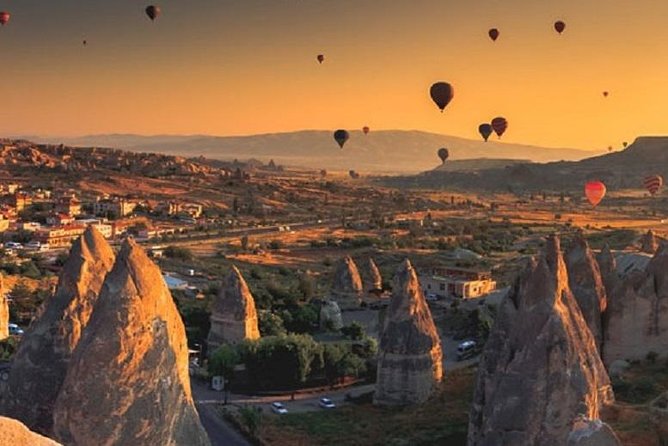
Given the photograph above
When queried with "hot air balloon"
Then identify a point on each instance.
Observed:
(609, 148)
(443, 154)
(441, 93)
(559, 26)
(653, 183)
(625, 144)
(605, 94)
(499, 125)
(341, 136)
(493, 34)
(485, 130)
(85, 43)
(595, 191)
(366, 130)
(4, 18)
(321, 58)
(153, 12)
(323, 173)
(354, 175)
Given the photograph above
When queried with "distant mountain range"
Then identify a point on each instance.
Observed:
(388, 151)
(618, 170)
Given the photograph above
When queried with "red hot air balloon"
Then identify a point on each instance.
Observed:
(499, 125)
(485, 131)
(320, 58)
(153, 12)
(441, 93)
(341, 136)
(4, 18)
(366, 130)
(559, 26)
(653, 183)
(595, 191)
(493, 34)
(443, 154)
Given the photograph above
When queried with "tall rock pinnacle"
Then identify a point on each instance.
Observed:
(347, 287)
(410, 359)
(128, 378)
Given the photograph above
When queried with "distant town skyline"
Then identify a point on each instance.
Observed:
(223, 67)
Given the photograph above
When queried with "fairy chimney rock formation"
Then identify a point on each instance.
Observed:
(4, 313)
(586, 284)
(540, 368)
(649, 243)
(15, 433)
(41, 362)
(330, 316)
(128, 381)
(410, 358)
(347, 287)
(233, 317)
(637, 316)
(374, 277)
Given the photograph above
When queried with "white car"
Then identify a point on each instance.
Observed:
(326, 403)
(15, 330)
(278, 408)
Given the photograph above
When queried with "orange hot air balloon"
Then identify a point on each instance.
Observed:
(4, 18)
(653, 183)
(366, 130)
(559, 26)
(595, 191)
(321, 58)
(493, 34)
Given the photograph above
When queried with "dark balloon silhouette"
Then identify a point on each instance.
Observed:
(441, 93)
(485, 131)
(341, 136)
(609, 148)
(625, 144)
(354, 175)
(653, 183)
(321, 58)
(499, 125)
(4, 18)
(559, 26)
(366, 130)
(493, 34)
(443, 154)
(605, 94)
(85, 42)
(153, 12)
(323, 173)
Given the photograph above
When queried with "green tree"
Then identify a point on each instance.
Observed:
(178, 253)
(271, 324)
(354, 331)
(251, 418)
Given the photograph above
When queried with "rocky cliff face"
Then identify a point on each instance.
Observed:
(540, 368)
(586, 284)
(128, 381)
(375, 280)
(4, 313)
(637, 317)
(410, 359)
(347, 287)
(233, 317)
(649, 243)
(42, 359)
(14, 433)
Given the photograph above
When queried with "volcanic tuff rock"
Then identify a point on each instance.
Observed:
(540, 367)
(4, 313)
(128, 383)
(374, 277)
(43, 356)
(608, 268)
(330, 316)
(14, 433)
(592, 433)
(410, 358)
(649, 243)
(586, 283)
(233, 318)
(637, 316)
(347, 287)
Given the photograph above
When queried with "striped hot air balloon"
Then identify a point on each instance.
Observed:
(653, 183)
(595, 191)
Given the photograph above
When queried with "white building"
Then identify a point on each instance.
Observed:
(457, 282)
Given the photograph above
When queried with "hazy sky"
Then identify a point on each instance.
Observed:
(248, 66)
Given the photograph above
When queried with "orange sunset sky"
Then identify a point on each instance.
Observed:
(247, 66)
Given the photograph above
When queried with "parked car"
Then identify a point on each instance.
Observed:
(4, 370)
(326, 403)
(13, 245)
(279, 408)
(431, 297)
(466, 349)
(15, 330)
